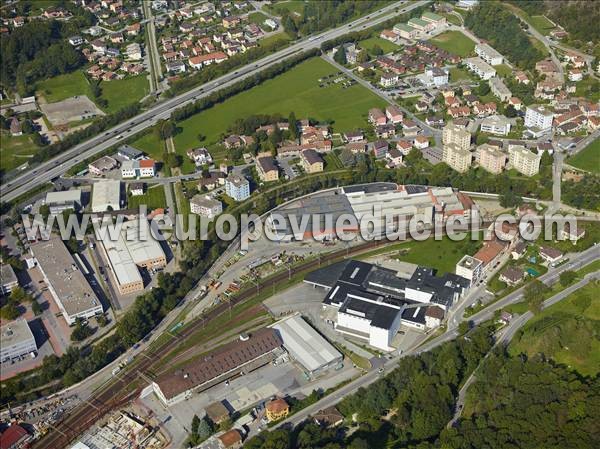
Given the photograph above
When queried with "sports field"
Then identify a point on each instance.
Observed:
(587, 159)
(296, 90)
(454, 42)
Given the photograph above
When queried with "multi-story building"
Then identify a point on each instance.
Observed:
(237, 187)
(8, 279)
(66, 283)
(405, 31)
(538, 118)
(469, 268)
(524, 161)
(17, 340)
(456, 157)
(488, 54)
(458, 135)
(499, 89)
(205, 206)
(495, 124)
(266, 168)
(490, 158)
(481, 68)
(312, 162)
(143, 168)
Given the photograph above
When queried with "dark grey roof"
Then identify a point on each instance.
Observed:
(327, 276)
(129, 151)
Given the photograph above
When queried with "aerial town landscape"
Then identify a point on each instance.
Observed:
(299, 224)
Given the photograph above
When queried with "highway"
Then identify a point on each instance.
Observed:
(551, 277)
(71, 157)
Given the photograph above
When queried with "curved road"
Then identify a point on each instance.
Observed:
(71, 157)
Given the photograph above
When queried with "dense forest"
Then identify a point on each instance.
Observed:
(514, 403)
(494, 23)
(318, 15)
(39, 50)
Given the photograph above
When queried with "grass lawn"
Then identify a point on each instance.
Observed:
(587, 159)
(154, 198)
(541, 24)
(457, 74)
(15, 151)
(451, 18)
(150, 145)
(455, 42)
(257, 18)
(296, 90)
(281, 36)
(566, 332)
(385, 45)
(61, 87)
(293, 6)
(503, 70)
(120, 93)
(589, 88)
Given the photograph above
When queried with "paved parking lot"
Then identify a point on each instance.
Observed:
(72, 109)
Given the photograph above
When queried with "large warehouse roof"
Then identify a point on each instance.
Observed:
(106, 193)
(65, 278)
(305, 344)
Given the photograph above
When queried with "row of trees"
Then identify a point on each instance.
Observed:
(503, 30)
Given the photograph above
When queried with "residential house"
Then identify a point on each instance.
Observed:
(311, 161)
(205, 206)
(266, 168)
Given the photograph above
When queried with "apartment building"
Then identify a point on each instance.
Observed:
(266, 168)
(205, 206)
(456, 157)
(538, 117)
(523, 160)
(312, 162)
(490, 158)
(496, 124)
(499, 89)
(457, 135)
(488, 54)
(237, 187)
(481, 68)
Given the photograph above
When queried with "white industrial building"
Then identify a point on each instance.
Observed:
(307, 346)
(60, 201)
(16, 340)
(67, 284)
(130, 251)
(105, 195)
(371, 303)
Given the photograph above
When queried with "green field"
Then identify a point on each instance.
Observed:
(15, 151)
(566, 332)
(457, 74)
(61, 87)
(503, 70)
(296, 90)
(452, 18)
(154, 198)
(384, 44)
(455, 42)
(587, 159)
(293, 6)
(120, 93)
(150, 145)
(541, 24)
(589, 88)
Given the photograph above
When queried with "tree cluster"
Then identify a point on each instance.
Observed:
(493, 22)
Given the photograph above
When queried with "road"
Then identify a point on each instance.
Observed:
(152, 49)
(510, 331)
(549, 278)
(71, 157)
(428, 130)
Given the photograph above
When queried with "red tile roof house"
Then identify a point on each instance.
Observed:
(377, 117)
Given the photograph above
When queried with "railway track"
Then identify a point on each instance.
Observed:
(119, 392)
